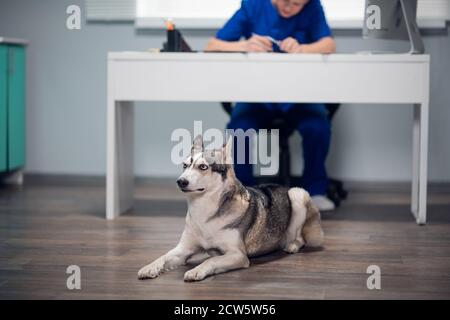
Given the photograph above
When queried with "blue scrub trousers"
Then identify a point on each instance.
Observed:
(311, 121)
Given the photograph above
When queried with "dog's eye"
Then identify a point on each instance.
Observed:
(203, 167)
(185, 165)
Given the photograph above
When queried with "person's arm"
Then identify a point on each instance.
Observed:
(215, 44)
(324, 45)
(254, 44)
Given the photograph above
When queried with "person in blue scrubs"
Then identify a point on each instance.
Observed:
(298, 26)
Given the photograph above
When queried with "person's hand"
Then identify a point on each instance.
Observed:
(290, 45)
(257, 44)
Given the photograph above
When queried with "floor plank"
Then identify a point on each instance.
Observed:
(45, 227)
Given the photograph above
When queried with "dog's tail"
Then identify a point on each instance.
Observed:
(312, 231)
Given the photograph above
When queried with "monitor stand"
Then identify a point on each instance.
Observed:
(415, 39)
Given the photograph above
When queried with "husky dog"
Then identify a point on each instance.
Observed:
(231, 222)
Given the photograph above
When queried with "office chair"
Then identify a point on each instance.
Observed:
(335, 190)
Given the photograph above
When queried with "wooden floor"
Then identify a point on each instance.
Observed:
(45, 227)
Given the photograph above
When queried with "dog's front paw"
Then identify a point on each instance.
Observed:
(150, 271)
(195, 274)
(293, 247)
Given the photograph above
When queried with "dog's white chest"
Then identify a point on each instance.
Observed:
(210, 233)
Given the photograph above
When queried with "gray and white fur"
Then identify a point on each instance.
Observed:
(231, 222)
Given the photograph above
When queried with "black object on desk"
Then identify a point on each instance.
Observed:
(175, 42)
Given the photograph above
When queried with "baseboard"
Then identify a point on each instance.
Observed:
(90, 180)
(14, 177)
(64, 179)
(100, 181)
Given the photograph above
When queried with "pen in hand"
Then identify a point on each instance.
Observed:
(277, 42)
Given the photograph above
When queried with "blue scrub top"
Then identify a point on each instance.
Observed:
(262, 18)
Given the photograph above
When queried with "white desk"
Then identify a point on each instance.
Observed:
(259, 77)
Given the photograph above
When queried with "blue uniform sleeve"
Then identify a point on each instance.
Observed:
(238, 26)
(318, 28)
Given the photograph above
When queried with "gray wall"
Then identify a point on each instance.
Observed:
(66, 103)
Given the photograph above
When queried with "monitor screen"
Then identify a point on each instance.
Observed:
(385, 18)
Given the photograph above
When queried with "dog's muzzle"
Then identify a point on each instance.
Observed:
(182, 183)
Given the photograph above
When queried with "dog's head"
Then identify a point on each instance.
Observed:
(206, 170)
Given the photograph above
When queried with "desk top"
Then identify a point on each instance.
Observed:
(272, 57)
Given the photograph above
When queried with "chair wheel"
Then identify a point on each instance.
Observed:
(342, 194)
(333, 195)
(336, 191)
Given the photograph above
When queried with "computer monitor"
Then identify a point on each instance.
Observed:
(393, 19)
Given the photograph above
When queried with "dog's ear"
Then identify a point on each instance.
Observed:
(197, 145)
(227, 151)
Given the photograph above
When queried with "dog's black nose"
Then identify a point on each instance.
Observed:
(182, 183)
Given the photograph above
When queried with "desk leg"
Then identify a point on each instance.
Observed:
(119, 175)
(420, 162)
(415, 163)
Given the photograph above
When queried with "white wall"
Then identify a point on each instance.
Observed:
(66, 103)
